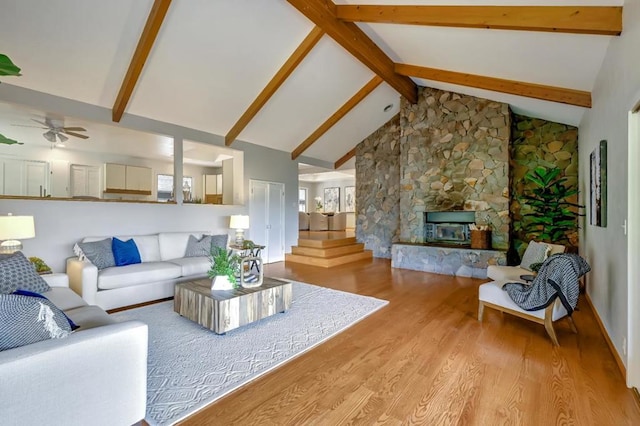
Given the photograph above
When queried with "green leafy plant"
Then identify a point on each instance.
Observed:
(7, 67)
(41, 267)
(248, 244)
(223, 262)
(548, 215)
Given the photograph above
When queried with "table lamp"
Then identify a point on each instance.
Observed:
(13, 228)
(239, 222)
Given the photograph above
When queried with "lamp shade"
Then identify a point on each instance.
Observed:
(239, 221)
(16, 227)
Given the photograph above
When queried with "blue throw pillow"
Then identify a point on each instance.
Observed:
(32, 294)
(125, 252)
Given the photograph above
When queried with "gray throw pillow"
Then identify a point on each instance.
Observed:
(16, 272)
(202, 247)
(99, 253)
(25, 320)
(535, 253)
(198, 247)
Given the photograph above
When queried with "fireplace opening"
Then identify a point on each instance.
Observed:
(449, 228)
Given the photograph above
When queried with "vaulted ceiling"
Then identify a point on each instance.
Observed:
(306, 76)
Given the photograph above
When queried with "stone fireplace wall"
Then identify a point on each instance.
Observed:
(377, 189)
(454, 154)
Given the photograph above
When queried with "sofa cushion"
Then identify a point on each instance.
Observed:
(16, 272)
(535, 253)
(89, 317)
(174, 244)
(193, 265)
(148, 245)
(140, 273)
(64, 298)
(125, 252)
(97, 252)
(25, 320)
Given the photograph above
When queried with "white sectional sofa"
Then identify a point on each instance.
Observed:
(97, 375)
(163, 265)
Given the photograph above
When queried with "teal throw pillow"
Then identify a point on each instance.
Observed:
(125, 252)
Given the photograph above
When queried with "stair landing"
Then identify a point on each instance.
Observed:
(327, 249)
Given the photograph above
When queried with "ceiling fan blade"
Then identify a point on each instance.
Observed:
(41, 122)
(50, 136)
(77, 135)
(26, 125)
(62, 137)
(74, 129)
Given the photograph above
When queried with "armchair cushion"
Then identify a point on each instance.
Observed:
(535, 253)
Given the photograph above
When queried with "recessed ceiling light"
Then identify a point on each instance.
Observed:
(388, 107)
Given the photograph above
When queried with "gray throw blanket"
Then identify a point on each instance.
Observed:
(558, 277)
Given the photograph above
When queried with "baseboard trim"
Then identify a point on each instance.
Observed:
(636, 395)
(612, 348)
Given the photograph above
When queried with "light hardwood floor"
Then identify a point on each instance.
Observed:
(425, 359)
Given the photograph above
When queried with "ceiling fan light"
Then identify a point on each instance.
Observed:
(62, 137)
(50, 136)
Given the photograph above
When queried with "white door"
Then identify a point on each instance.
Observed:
(36, 173)
(266, 218)
(59, 178)
(13, 177)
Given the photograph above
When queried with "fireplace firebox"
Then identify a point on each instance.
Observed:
(449, 227)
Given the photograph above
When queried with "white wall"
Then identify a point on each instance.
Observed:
(616, 91)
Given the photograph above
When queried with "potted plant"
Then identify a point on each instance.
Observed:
(224, 265)
(8, 68)
(41, 267)
(548, 212)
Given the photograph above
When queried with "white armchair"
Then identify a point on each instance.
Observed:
(318, 222)
(338, 222)
(512, 273)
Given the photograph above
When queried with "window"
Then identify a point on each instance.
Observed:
(165, 186)
(302, 199)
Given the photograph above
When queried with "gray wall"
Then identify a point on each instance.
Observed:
(616, 91)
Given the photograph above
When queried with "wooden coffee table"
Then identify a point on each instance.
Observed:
(224, 310)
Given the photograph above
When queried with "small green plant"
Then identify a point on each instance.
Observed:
(550, 214)
(223, 262)
(248, 244)
(39, 264)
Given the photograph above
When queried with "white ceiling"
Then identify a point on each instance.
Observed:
(212, 58)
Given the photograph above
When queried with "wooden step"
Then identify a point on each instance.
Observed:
(327, 243)
(328, 252)
(330, 261)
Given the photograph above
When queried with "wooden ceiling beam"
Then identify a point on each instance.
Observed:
(283, 73)
(348, 156)
(148, 37)
(530, 90)
(331, 121)
(600, 20)
(357, 43)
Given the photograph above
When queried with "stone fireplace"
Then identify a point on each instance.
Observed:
(448, 228)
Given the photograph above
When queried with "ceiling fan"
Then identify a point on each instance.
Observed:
(54, 130)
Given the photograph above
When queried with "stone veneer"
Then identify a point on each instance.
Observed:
(377, 189)
(536, 143)
(454, 155)
(448, 261)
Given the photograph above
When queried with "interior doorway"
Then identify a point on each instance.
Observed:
(266, 218)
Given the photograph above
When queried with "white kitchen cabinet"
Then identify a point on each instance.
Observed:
(123, 179)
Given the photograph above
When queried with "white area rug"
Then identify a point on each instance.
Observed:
(190, 366)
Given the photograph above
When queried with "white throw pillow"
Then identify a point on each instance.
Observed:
(535, 253)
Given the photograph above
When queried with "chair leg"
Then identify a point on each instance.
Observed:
(480, 310)
(548, 324)
(572, 324)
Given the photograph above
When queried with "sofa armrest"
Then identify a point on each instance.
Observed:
(83, 279)
(56, 280)
(97, 376)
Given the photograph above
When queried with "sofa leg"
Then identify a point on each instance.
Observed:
(480, 310)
